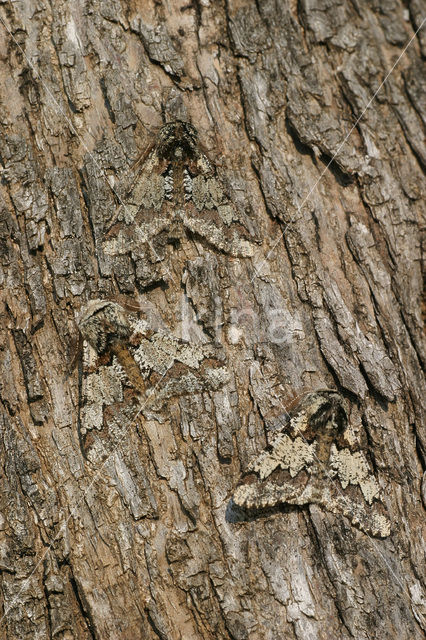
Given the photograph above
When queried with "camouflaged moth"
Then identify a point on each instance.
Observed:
(128, 368)
(309, 462)
(175, 188)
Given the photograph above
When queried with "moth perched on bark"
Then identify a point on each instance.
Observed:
(128, 368)
(309, 462)
(173, 189)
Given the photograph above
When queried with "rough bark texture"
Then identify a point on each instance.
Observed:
(145, 546)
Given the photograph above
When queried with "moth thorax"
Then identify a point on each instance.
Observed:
(331, 425)
(324, 442)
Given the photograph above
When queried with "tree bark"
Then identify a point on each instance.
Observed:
(322, 148)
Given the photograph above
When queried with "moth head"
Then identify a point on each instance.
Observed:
(102, 323)
(321, 413)
(177, 141)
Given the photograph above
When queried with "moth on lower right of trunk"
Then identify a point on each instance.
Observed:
(308, 462)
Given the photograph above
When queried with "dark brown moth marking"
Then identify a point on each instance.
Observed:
(128, 368)
(308, 463)
(175, 189)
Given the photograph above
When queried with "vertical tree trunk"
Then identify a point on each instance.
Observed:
(322, 152)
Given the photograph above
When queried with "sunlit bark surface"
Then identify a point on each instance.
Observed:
(312, 113)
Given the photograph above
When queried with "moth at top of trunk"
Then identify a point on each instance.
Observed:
(175, 189)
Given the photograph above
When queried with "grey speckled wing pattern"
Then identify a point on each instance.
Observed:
(128, 368)
(308, 463)
(176, 188)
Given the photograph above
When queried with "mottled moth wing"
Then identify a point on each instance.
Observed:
(308, 463)
(175, 188)
(144, 212)
(209, 212)
(128, 369)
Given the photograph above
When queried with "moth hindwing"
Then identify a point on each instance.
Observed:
(176, 188)
(308, 463)
(128, 368)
